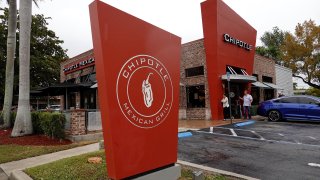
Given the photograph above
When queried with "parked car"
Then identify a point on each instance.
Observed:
(291, 108)
(54, 108)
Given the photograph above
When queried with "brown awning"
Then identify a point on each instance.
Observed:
(61, 89)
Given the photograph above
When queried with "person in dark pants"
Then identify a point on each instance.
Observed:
(247, 100)
(225, 105)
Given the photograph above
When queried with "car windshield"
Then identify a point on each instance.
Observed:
(55, 106)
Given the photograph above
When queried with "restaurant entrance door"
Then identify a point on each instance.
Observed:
(236, 91)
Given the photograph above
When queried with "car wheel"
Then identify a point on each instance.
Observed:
(274, 115)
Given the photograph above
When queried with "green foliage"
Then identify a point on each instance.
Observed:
(261, 50)
(301, 52)
(3, 50)
(313, 92)
(272, 42)
(46, 53)
(295, 86)
(76, 167)
(52, 124)
(12, 118)
(36, 123)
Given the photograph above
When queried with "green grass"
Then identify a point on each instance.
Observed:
(78, 168)
(75, 167)
(16, 152)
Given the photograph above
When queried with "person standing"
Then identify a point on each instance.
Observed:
(247, 100)
(225, 105)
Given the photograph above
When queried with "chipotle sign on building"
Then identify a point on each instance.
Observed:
(137, 66)
(78, 65)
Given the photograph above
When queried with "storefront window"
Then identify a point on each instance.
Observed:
(195, 71)
(88, 99)
(268, 94)
(89, 78)
(255, 93)
(196, 96)
(267, 79)
(71, 101)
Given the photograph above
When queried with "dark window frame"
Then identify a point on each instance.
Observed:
(267, 79)
(194, 71)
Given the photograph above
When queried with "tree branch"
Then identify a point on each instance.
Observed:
(307, 82)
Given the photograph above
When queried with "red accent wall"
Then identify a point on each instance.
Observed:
(218, 19)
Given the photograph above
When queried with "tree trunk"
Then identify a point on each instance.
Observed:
(11, 49)
(23, 123)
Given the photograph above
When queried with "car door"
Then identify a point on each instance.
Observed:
(290, 108)
(310, 107)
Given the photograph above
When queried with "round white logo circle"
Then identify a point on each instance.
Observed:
(144, 91)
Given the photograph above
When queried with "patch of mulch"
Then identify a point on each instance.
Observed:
(35, 140)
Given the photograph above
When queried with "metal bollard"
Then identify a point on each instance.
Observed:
(197, 175)
(101, 144)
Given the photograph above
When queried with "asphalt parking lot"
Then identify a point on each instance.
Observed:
(264, 150)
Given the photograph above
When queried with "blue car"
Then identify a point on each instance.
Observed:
(291, 107)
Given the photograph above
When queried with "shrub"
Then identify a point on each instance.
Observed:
(35, 116)
(52, 124)
(58, 123)
(12, 118)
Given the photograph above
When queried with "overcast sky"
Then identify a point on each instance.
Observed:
(70, 18)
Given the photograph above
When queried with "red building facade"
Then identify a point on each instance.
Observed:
(229, 43)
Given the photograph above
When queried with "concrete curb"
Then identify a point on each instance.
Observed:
(206, 168)
(3, 175)
(19, 175)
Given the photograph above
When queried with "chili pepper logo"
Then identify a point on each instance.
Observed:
(147, 91)
(144, 91)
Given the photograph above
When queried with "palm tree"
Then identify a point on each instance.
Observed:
(23, 124)
(11, 49)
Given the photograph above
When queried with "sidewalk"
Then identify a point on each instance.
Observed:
(199, 124)
(9, 167)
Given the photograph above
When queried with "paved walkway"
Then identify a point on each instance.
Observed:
(199, 124)
(47, 158)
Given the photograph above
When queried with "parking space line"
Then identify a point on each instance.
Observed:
(233, 132)
(297, 141)
(312, 137)
(261, 138)
(314, 165)
(238, 129)
(267, 140)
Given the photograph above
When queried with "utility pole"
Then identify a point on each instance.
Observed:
(229, 100)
